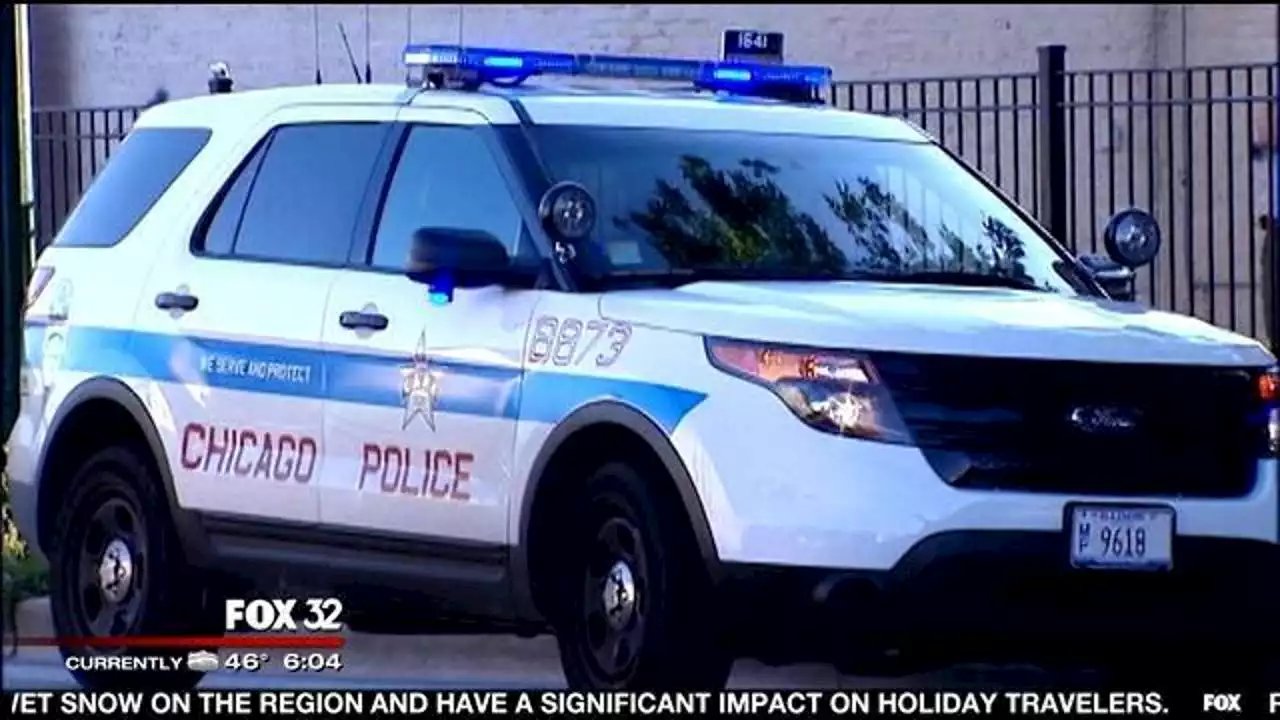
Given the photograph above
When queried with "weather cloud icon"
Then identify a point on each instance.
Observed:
(202, 661)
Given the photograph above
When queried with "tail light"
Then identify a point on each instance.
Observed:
(1269, 394)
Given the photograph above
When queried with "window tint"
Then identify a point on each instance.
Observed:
(220, 233)
(139, 172)
(304, 201)
(446, 178)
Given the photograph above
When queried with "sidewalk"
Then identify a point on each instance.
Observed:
(400, 655)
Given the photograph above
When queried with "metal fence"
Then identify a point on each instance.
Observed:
(1072, 146)
(69, 146)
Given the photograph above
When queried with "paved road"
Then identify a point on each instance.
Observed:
(43, 670)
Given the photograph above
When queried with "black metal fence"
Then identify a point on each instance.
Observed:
(69, 147)
(1073, 146)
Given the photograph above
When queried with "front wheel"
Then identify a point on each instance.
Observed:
(636, 607)
(118, 570)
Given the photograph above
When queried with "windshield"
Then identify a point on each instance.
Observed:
(713, 203)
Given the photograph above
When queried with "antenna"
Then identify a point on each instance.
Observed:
(368, 67)
(462, 13)
(408, 39)
(351, 57)
(315, 26)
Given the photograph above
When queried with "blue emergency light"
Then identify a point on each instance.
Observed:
(465, 67)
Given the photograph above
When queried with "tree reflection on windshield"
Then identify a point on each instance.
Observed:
(743, 220)
(788, 206)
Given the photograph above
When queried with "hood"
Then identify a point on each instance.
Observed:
(935, 319)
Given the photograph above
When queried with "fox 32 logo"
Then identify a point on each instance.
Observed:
(284, 615)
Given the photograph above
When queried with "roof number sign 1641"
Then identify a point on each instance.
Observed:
(752, 46)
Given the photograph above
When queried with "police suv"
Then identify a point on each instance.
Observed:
(681, 372)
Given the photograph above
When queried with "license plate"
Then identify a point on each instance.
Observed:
(1124, 538)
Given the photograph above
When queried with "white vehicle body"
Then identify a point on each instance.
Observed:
(355, 415)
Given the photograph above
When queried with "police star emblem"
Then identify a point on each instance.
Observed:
(419, 387)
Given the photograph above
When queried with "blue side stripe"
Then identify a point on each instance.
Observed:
(465, 389)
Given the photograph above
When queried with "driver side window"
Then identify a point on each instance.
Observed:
(446, 177)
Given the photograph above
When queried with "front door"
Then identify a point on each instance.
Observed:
(423, 395)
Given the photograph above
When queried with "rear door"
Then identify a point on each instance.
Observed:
(79, 314)
(231, 325)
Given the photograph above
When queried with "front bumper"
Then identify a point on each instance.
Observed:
(972, 594)
(777, 492)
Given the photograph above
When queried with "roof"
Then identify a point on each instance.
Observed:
(212, 110)
(548, 105)
(701, 111)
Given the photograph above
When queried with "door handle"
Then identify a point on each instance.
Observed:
(356, 320)
(185, 302)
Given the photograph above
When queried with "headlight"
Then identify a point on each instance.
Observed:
(831, 390)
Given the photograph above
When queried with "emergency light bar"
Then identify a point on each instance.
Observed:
(462, 67)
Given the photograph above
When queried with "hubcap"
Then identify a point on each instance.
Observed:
(619, 595)
(614, 599)
(115, 571)
(110, 572)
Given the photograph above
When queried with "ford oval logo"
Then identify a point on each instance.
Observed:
(1099, 419)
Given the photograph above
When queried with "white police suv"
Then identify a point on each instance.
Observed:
(681, 375)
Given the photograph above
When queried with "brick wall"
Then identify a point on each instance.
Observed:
(110, 54)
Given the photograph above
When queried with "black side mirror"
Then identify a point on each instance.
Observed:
(1115, 278)
(1132, 238)
(450, 258)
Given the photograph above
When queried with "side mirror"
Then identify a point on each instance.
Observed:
(1115, 278)
(1132, 238)
(448, 258)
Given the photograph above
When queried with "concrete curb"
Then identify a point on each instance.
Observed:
(399, 654)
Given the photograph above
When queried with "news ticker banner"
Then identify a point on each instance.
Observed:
(555, 704)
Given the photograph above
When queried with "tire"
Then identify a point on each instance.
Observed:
(662, 635)
(116, 509)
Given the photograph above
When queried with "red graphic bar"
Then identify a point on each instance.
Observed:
(191, 642)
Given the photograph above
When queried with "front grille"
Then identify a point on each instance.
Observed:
(997, 423)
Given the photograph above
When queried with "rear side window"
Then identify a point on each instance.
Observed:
(298, 197)
(139, 173)
(220, 232)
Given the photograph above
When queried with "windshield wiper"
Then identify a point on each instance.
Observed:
(675, 277)
(951, 277)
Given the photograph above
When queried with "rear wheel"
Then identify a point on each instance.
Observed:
(118, 570)
(636, 608)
